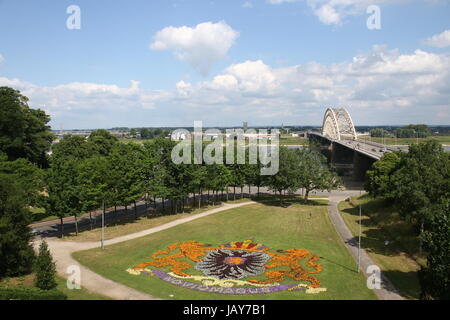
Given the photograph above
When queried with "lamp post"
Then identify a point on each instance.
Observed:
(103, 226)
(359, 241)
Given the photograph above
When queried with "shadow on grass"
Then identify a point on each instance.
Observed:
(287, 201)
(355, 270)
(407, 281)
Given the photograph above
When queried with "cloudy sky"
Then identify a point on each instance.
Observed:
(172, 62)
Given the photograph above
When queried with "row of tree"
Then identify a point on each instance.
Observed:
(417, 183)
(87, 174)
(409, 131)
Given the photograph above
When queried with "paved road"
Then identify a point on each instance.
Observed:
(387, 291)
(62, 254)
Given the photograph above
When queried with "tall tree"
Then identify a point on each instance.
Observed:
(101, 142)
(313, 173)
(24, 132)
(16, 253)
(435, 277)
(287, 176)
(422, 180)
(379, 176)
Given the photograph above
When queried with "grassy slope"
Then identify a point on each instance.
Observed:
(274, 226)
(381, 223)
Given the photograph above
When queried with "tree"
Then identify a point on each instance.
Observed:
(378, 133)
(126, 166)
(95, 184)
(378, 177)
(27, 175)
(62, 183)
(101, 142)
(435, 277)
(24, 132)
(63, 192)
(422, 180)
(45, 269)
(313, 172)
(16, 253)
(286, 178)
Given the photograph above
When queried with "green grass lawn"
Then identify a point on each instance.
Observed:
(398, 260)
(288, 140)
(295, 225)
(39, 214)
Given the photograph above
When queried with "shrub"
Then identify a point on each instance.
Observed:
(30, 293)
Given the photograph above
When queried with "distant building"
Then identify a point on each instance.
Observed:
(245, 125)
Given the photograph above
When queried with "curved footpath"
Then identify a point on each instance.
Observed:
(387, 290)
(62, 253)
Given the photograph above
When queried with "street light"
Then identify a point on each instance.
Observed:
(359, 241)
(103, 226)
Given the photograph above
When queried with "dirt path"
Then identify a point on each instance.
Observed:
(387, 291)
(62, 254)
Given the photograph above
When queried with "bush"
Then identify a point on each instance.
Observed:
(45, 269)
(30, 293)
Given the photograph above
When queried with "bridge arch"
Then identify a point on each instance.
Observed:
(338, 124)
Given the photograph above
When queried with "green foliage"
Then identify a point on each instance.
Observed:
(378, 177)
(313, 172)
(413, 131)
(101, 142)
(16, 253)
(419, 185)
(302, 169)
(422, 180)
(378, 133)
(24, 132)
(435, 277)
(30, 293)
(27, 175)
(45, 269)
(287, 177)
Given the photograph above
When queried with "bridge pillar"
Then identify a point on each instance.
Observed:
(361, 163)
(342, 159)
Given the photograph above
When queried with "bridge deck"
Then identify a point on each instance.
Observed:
(370, 149)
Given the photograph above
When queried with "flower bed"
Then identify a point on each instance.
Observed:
(242, 267)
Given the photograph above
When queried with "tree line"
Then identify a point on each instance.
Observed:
(417, 183)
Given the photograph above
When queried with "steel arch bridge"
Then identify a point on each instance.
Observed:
(338, 125)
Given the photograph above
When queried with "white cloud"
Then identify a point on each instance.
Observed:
(247, 4)
(334, 12)
(382, 86)
(1, 58)
(440, 40)
(201, 46)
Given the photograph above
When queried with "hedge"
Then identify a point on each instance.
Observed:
(30, 293)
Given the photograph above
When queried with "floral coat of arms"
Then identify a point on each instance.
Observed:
(241, 267)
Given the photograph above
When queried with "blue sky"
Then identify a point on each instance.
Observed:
(285, 60)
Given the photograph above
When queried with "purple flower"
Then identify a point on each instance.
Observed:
(232, 263)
